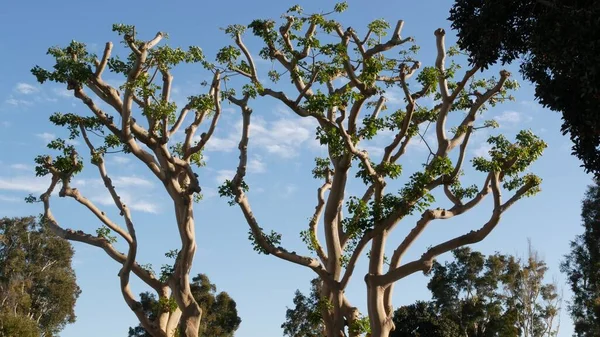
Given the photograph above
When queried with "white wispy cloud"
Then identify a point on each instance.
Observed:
(512, 117)
(27, 184)
(131, 181)
(18, 102)
(221, 144)
(133, 191)
(144, 206)
(283, 137)
(421, 144)
(256, 165)
(26, 89)
(6, 198)
(223, 175)
(482, 150)
(531, 105)
(118, 182)
(46, 136)
(134, 203)
(393, 96)
(22, 167)
(289, 189)
(373, 150)
(209, 192)
(62, 92)
(120, 159)
(509, 116)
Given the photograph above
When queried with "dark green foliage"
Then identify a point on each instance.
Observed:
(19, 325)
(219, 318)
(304, 320)
(37, 283)
(557, 43)
(475, 295)
(227, 190)
(422, 319)
(582, 266)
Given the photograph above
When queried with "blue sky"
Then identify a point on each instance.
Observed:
(282, 152)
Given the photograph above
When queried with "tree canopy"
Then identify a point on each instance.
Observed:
(557, 43)
(582, 266)
(220, 318)
(38, 289)
(423, 319)
(338, 77)
(138, 118)
(472, 295)
(495, 295)
(304, 319)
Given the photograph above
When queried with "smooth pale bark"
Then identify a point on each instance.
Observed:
(174, 171)
(339, 316)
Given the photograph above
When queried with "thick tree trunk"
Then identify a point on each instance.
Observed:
(191, 313)
(381, 322)
(333, 315)
(189, 325)
(381, 331)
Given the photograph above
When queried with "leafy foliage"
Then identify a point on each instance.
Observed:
(219, 319)
(422, 319)
(17, 325)
(74, 67)
(139, 118)
(497, 295)
(304, 320)
(342, 79)
(582, 266)
(557, 45)
(37, 284)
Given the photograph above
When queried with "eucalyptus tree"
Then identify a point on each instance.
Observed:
(38, 288)
(140, 119)
(220, 317)
(339, 79)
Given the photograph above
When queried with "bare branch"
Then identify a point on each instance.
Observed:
(395, 40)
(440, 63)
(150, 44)
(242, 201)
(310, 32)
(354, 81)
(182, 114)
(431, 215)
(425, 262)
(362, 243)
(314, 221)
(470, 117)
(141, 154)
(249, 59)
(110, 250)
(216, 93)
(104, 61)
